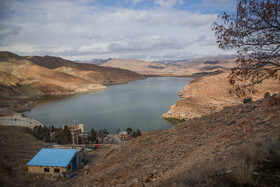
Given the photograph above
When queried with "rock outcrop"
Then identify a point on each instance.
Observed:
(211, 94)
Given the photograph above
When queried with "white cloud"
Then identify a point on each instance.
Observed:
(72, 28)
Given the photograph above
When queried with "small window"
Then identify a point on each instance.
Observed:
(69, 167)
(46, 169)
(56, 170)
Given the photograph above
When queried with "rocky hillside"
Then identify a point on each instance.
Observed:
(194, 148)
(238, 146)
(35, 76)
(209, 94)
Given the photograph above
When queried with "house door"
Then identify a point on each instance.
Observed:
(79, 159)
(74, 163)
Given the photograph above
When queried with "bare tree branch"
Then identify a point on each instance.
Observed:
(254, 31)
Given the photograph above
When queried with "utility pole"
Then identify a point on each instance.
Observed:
(73, 135)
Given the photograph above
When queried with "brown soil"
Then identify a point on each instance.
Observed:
(162, 154)
(154, 157)
(210, 94)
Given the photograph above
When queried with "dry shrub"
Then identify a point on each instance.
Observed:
(243, 173)
(7, 167)
(198, 176)
(235, 168)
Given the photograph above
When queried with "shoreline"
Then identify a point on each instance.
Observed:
(10, 106)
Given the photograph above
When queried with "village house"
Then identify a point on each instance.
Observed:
(56, 160)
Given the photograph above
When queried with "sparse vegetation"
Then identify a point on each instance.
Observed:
(266, 95)
(92, 136)
(136, 133)
(247, 100)
(64, 136)
(254, 32)
(249, 164)
(129, 131)
(103, 132)
(42, 133)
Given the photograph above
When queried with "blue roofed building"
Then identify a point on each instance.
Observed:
(54, 161)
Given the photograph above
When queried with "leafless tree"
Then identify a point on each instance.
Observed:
(254, 31)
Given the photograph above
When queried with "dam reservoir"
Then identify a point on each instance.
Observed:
(137, 104)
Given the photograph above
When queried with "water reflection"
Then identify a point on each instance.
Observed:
(138, 104)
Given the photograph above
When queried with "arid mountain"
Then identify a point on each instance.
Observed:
(211, 94)
(94, 61)
(35, 76)
(102, 75)
(192, 67)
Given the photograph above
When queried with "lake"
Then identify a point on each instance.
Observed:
(138, 104)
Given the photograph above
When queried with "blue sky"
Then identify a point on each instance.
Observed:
(87, 29)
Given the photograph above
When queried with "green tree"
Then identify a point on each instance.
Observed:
(37, 131)
(266, 95)
(138, 132)
(79, 140)
(67, 137)
(63, 136)
(247, 100)
(129, 130)
(103, 132)
(92, 136)
(41, 133)
(134, 134)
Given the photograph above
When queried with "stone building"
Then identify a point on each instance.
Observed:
(56, 161)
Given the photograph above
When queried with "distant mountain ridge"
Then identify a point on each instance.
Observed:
(95, 61)
(184, 67)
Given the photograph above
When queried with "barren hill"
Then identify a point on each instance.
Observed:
(159, 157)
(106, 75)
(191, 67)
(211, 94)
(34, 76)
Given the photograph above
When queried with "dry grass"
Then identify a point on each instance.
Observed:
(242, 166)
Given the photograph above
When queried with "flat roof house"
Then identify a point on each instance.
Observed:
(54, 161)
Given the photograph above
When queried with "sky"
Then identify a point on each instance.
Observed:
(101, 29)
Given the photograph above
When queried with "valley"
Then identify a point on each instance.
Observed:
(22, 78)
(194, 67)
(212, 144)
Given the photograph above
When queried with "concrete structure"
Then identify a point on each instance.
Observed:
(76, 131)
(18, 120)
(122, 136)
(56, 161)
(76, 128)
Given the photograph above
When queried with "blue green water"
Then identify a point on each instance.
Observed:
(138, 104)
